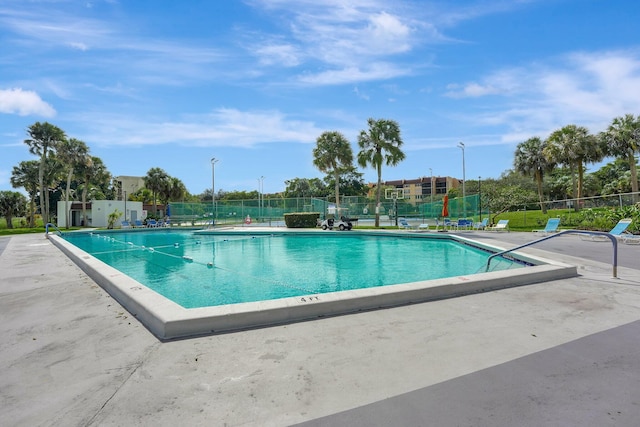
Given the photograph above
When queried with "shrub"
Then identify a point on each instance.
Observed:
(302, 219)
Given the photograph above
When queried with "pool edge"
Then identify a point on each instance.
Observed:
(168, 320)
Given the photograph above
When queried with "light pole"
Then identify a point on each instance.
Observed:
(431, 194)
(260, 196)
(213, 190)
(464, 207)
(479, 198)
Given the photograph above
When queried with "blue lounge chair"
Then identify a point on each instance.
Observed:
(619, 232)
(126, 224)
(464, 224)
(403, 224)
(138, 224)
(551, 227)
(151, 223)
(481, 225)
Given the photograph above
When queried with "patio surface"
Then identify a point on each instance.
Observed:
(558, 353)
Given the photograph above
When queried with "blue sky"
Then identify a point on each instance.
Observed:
(171, 84)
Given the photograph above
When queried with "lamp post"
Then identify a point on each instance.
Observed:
(213, 190)
(260, 195)
(479, 198)
(464, 207)
(431, 193)
(125, 205)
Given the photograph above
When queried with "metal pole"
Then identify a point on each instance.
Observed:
(213, 190)
(464, 207)
(261, 196)
(431, 194)
(480, 198)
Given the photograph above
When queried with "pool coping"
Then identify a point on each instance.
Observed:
(168, 320)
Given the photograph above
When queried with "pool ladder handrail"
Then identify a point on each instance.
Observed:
(563, 232)
(46, 229)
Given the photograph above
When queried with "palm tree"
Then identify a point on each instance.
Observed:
(173, 190)
(44, 138)
(530, 160)
(333, 153)
(623, 140)
(156, 181)
(25, 175)
(380, 144)
(177, 189)
(573, 146)
(73, 153)
(92, 171)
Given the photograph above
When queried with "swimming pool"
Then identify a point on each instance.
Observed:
(204, 260)
(202, 270)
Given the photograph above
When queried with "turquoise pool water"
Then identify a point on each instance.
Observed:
(209, 270)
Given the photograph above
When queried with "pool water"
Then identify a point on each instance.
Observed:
(209, 270)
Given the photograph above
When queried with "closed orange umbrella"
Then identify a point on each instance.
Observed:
(445, 206)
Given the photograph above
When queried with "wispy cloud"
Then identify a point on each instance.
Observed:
(223, 127)
(24, 103)
(109, 45)
(341, 42)
(587, 89)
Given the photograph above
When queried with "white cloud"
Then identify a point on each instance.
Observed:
(354, 74)
(24, 103)
(587, 89)
(350, 41)
(360, 94)
(470, 90)
(278, 54)
(224, 127)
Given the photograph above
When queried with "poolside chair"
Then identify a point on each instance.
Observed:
(423, 227)
(502, 225)
(138, 224)
(448, 224)
(403, 224)
(481, 225)
(464, 224)
(551, 227)
(126, 224)
(619, 232)
(152, 223)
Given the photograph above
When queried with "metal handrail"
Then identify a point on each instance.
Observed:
(46, 228)
(593, 233)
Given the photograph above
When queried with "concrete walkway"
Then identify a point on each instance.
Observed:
(558, 353)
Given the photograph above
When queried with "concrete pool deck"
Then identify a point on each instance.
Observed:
(564, 352)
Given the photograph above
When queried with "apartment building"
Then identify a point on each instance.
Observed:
(420, 189)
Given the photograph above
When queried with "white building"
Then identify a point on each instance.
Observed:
(98, 212)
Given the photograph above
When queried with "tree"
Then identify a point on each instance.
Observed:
(531, 161)
(332, 153)
(156, 181)
(305, 187)
(351, 182)
(73, 154)
(94, 177)
(614, 177)
(573, 146)
(499, 198)
(25, 175)
(44, 138)
(380, 144)
(622, 139)
(176, 190)
(12, 203)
